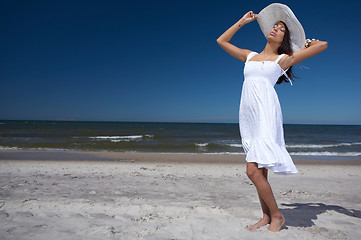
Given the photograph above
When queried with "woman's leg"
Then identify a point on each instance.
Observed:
(266, 219)
(268, 202)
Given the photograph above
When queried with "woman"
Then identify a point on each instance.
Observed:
(260, 116)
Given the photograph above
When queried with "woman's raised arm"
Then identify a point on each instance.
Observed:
(315, 47)
(224, 39)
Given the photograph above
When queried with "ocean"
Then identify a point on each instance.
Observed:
(318, 141)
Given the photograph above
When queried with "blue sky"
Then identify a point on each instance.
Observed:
(159, 61)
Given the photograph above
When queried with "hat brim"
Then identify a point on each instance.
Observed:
(276, 12)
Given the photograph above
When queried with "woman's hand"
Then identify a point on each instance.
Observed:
(224, 39)
(248, 17)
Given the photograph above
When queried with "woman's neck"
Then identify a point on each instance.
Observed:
(270, 49)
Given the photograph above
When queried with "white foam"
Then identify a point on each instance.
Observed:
(53, 149)
(323, 145)
(201, 144)
(346, 154)
(235, 145)
(10, 148)
(35, 149)
(203, 153)
(126, 138)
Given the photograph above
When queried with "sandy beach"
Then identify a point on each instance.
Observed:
(103, 195)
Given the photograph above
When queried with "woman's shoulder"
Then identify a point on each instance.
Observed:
(250, 55)
(253, 52)
(285, 60)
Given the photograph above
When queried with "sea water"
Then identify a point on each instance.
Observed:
(301, 140)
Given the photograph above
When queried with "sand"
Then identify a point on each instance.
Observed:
(57, 195)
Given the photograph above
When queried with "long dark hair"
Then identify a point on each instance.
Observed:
(286, 48)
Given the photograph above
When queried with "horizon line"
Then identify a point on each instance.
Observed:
(181, 122)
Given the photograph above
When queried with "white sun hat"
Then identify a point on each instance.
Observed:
(276, 12)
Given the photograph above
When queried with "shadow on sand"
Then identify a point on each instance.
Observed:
(302, 214)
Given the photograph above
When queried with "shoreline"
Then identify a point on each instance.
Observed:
(221, 158)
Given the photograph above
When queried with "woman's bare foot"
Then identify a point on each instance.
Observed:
(264, 221)
(277, 223)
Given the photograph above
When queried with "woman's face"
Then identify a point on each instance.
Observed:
(277, 33)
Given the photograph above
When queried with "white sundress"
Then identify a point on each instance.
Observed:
(260, 117)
